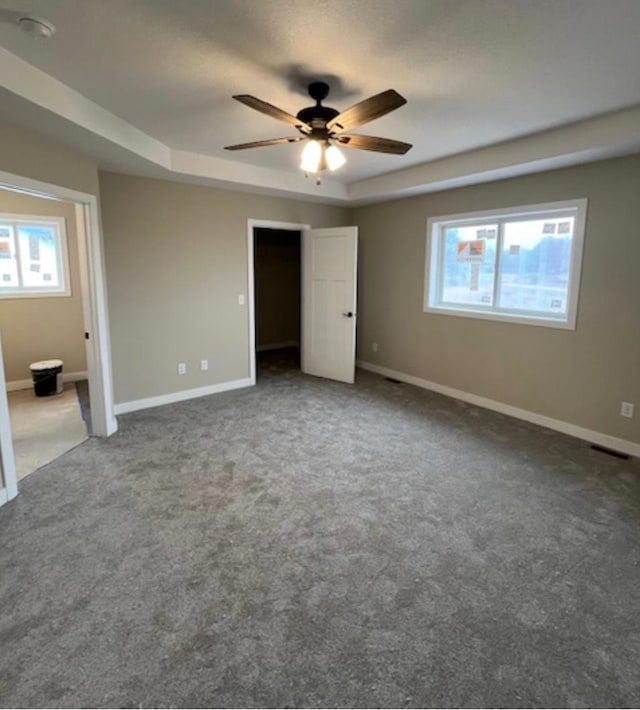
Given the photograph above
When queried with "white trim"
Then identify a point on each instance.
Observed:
(434, 265)
(596, 437)
(8, 477)
(96, 318)
(606, 136)
(149, 402)
(94, 306)
(93, 287)
(516, 211)
(251, 298)
(278, 346)
(44, 91)
(88, 124)
(47, 95)
(75, 376)
(16, 385)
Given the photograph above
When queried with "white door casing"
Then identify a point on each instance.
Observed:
(329, 263)
(8, 479)
(96, 324)
(251, 298)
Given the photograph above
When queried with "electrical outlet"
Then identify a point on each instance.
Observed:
(204, 365)
(182, 368)
(626, 409)
(374, 347)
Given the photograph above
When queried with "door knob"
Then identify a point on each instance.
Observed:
(348, 315)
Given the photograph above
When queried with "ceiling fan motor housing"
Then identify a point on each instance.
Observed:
(317, 116)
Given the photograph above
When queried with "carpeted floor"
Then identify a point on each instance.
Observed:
(307, 543)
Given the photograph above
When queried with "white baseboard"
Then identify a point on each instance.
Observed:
(595, 437)
(28, 384)
(148, 402)
(278, 346)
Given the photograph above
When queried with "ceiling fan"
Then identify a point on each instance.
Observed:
(324, 128)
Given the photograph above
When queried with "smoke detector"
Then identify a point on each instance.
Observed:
(37, 27)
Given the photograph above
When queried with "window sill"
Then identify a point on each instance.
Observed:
(501, 318)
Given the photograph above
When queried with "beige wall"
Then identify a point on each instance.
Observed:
(26, 154)
(176, 260)
(577, 376)
(30, 155)
(43, 328)
(277, 277)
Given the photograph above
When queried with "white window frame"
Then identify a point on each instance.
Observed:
(61, 232)
(433, 263)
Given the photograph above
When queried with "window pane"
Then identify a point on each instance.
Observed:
(8, 263)
(39, 260)
(535, 264)
(469, 261)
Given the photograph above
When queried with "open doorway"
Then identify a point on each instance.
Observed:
(41, 321)
(277, 273)
(326, 299)
(94, 313)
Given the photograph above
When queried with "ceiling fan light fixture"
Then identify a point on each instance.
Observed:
(335, 158)
(311, 157)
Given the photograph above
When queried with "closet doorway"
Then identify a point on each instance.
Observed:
(277, 289)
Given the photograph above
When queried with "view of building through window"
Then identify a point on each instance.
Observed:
(535, 262)
(31, 258)
(508, 265)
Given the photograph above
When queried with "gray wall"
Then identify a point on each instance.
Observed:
(176, 260)
(577, 376)
(43, 328)
(277, 278)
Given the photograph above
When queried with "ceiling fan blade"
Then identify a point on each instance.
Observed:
(260, 144)
(273, 111)
(367, 110)
(378, 145)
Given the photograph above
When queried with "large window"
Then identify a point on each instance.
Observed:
(519, 264)
(33, 257)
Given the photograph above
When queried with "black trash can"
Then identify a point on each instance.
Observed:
(47, 377)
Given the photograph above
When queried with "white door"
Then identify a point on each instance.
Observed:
(8, 481)
(329, 261)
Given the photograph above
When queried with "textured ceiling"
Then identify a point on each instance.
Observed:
(474, 72)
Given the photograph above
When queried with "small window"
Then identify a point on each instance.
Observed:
(33, 257)
(520, 264)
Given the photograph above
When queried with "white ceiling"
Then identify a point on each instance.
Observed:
(475, 73)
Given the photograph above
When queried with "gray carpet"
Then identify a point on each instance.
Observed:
(306, 543)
